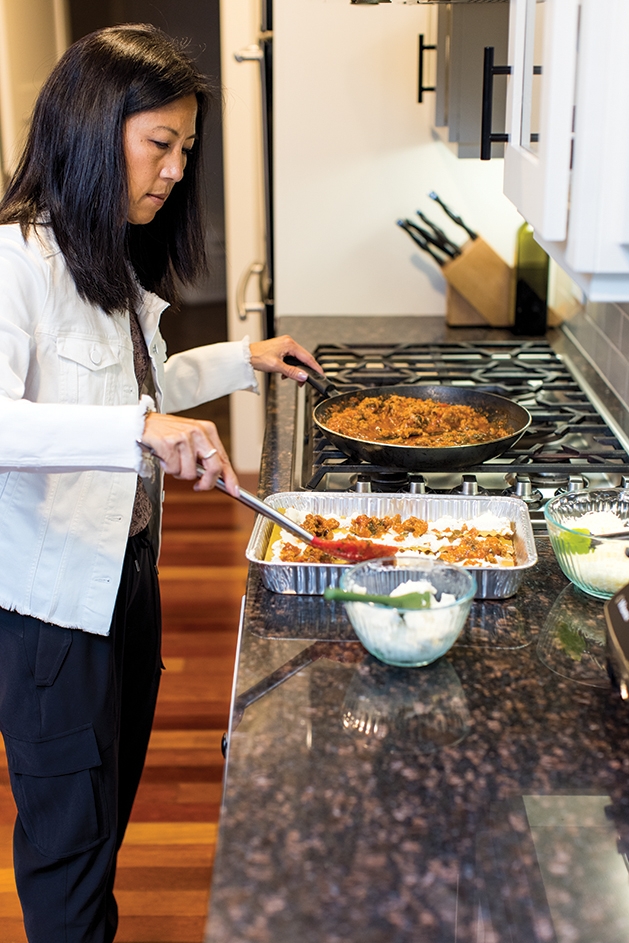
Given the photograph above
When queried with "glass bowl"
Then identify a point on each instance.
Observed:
(598, 566)
(408, 638)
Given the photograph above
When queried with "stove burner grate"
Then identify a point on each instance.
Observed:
(567, 437)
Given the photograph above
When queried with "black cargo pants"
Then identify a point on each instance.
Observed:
(76, 711)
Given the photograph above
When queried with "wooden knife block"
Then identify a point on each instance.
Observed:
(480, 289)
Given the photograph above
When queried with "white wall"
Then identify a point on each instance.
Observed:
(354, 152)
(33, 34)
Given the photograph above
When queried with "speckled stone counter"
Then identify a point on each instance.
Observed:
(483, 799)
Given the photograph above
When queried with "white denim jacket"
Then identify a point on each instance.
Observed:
(70, 418)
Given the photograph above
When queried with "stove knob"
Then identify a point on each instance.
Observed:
(469, 485)
(363, 484)
(523, 487)
(624, 481)
(576, 483)
(416, 483)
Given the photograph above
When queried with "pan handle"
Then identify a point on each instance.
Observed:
(319, 381)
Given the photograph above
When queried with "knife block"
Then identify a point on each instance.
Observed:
(480, 287)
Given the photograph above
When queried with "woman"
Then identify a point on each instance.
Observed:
(99, 224)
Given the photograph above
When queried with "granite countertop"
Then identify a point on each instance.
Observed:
(483, 799)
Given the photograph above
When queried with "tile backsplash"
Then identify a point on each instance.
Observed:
(601, 331)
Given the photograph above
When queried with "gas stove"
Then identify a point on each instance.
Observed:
(568, 446)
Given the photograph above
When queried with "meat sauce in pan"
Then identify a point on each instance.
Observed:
(403, 420)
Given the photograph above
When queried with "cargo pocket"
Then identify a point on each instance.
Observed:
(53, 644)
(59, 792)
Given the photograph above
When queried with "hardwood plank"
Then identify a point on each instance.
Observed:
(202, 574)
(12, 930)
(199, 643)
(216, 716)
(200, 665)
(191, 774)
(150, 810)
(162, 903)
(184, 740)
(188, 758)
(200, 687)
(183, 793)
(160, 929)
(7, 880)
(177, 856)
(176, 833)
(9, 905)
(176, 620)
(193, 792)
(6, 853)
(164, 879)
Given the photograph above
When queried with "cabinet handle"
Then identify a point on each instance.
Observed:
(251, 53)
(243, 307)
(486, 136)
(421, 88)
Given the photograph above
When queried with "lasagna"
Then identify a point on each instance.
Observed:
(486, 540)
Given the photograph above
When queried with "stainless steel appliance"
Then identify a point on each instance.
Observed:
(617, 621)
(569, 445)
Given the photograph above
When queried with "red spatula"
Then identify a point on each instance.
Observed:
(354, 551)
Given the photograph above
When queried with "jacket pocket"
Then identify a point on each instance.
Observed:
(88, 369)
(93, 353)
(59, 791)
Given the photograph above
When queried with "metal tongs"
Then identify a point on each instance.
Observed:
(354, 551)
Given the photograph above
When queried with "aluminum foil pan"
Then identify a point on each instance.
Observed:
(311, 579)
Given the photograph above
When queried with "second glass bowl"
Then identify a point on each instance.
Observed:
(598, 566)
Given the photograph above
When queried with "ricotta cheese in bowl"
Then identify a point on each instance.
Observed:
(409, 637)
(577, 523)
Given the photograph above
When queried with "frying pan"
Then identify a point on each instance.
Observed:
(414, 457)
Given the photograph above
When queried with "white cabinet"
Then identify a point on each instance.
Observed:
(463, 30)
(567, 158)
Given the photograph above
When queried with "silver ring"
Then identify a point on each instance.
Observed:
(210, 454)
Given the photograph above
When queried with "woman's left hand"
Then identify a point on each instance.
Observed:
(268, 356)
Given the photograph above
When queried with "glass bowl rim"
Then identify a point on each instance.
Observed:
(584, 491)
(401, 564)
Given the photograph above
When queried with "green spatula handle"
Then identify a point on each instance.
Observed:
(407, 601)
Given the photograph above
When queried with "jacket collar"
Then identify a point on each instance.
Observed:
(149, 313)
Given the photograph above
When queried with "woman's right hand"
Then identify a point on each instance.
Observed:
(183, 444)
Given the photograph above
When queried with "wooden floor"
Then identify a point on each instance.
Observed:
(165, 863)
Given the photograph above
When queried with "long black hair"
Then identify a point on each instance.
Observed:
(73, 173)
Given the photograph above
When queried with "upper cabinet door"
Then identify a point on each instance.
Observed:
(543, 37)
(598, 227)
(462, 33)
(568, 125)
